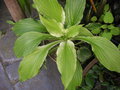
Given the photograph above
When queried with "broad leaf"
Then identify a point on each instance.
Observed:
(84, 32)
(27, 25)
(26, 43)
(106, 52)
(77, 78)
(83, 53)
(66, 61)
(74, 11)
(54, 28)
(73, 31)
(30, 65)
(50, 9)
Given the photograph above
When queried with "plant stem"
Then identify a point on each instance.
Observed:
(89, 66)
(93, 5)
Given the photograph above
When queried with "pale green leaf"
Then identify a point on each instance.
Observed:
(50, 9)
(77, 78)
(26, 43)
(53, 27)
(108, 18)
(27, 25)
(30, 65)
(66, 61)
(74, 11)
(73, 31)
(106, 52)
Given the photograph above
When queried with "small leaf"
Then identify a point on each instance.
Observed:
(111, 26)
(30, 65)
(96, 31)
(50, 9)
(73, 31)
(74, 11)
(106, 52)
(66, 61)
(93, 26)
(77, 78)
(107, 35)
(27, 25)
(115, 31)
(53, 27)
(83, 54)
(104, 26)
(89, 80)
(108, 18)
(106, 8)
(94, 19)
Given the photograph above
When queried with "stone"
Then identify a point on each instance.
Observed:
(4, 16)
(4, 82)
(6, 48)
(12, 71)
(47, 79)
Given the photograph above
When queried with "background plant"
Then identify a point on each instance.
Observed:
(104, 26)
(61, 26)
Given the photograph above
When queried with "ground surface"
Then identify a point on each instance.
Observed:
(48, 79)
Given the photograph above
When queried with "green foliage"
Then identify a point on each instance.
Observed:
(30, 65)
(25, 5)
(94, 19)
(104, 27)
(28, 25)
(51, 26)
(108, 18)
(74, 11)
(83, 54)
(50, 9)
(66, 61)
(106, 52)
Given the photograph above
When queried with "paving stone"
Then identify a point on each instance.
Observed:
(4, 16)
(4, 82)
(6, 48)
(48, 79)
(12, 71)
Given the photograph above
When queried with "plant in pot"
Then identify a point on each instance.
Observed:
(61, 27)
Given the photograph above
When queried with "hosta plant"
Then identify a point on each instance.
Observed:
(61, 27)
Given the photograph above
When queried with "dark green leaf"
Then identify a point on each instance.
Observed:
(83, 54)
